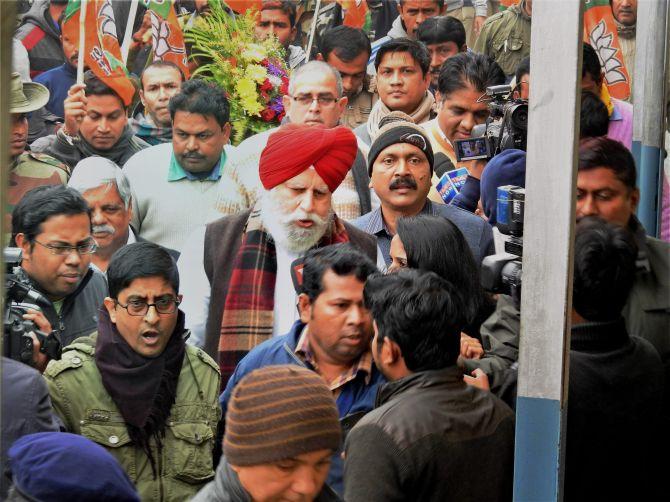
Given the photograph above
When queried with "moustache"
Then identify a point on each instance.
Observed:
(193, 155)
(300, 215)
(407, 182)
(104, 229)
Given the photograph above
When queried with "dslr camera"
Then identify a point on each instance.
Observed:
(21, 296)
(506, 127)
(501, 273)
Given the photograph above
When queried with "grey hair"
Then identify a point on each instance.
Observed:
(94, 172)
(315, 67)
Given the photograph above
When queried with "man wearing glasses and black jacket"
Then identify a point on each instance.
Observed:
(52, 227)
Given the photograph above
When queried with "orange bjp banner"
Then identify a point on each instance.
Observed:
(241, 6)
(355, 12)
(600, 33)
(167, 38)
(102, 53)
(506, 4)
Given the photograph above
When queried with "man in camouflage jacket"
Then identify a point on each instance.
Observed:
(506, 36)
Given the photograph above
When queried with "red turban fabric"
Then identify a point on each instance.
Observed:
(293, 148)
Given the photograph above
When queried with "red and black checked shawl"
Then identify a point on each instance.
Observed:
(248, 315)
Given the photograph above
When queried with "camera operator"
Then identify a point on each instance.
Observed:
(509, 166)
(52, 227)
(462, 83)
(606, 188)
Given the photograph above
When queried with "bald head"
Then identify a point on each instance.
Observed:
(315, 95)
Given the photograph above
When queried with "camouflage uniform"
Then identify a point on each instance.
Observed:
(506, 38)
(32, 170)
(330, 15)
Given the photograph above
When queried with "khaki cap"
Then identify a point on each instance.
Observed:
(26, 97)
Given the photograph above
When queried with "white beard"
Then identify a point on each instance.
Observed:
(283, 229)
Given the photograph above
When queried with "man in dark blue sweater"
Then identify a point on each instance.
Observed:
(59, 79)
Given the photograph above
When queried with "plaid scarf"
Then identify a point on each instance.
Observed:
(249, 310)
(149, 132)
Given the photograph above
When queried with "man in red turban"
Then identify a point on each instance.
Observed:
(249, 293)
(294, 148)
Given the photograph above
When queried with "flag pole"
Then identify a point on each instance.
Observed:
(127, 36)
(312, 31)
(82, 41)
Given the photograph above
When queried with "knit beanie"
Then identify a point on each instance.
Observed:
(506, 168)
(279, 412)
(59, 466)
(398, 127)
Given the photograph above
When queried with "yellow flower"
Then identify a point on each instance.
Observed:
(246, 89)
(256, 73)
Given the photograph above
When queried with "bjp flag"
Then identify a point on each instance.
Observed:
(600, 33)
(241, 6)
(166, 36)
(102, 53)
(355, 12)
(506, 4)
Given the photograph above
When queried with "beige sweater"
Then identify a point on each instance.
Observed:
(166, 212)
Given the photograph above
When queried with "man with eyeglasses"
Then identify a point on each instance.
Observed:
(52, 226)
(135, 387)
(315, 98)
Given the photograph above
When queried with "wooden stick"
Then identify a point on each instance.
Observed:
(128, 35)
(313, 29)
(82, 41)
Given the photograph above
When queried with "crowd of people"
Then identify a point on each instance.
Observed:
(301, 316)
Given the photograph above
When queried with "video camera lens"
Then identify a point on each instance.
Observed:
(519, 117)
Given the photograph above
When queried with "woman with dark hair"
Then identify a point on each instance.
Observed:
(437, 245)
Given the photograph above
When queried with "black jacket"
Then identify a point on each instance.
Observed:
(79, 313)
(431, 438)
(615, 433)
(26, 409)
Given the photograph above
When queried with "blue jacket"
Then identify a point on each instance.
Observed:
(355, 398)
(58, 80)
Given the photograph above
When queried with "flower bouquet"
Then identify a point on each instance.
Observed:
(252, 72)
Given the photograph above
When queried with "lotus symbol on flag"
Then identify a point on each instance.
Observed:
(601, 41)
(161, 35)
(107, 23)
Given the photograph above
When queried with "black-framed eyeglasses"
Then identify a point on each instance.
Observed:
(87, 248)
(308, 99)
(140, 307)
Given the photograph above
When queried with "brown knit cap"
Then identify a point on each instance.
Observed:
(279, 412)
